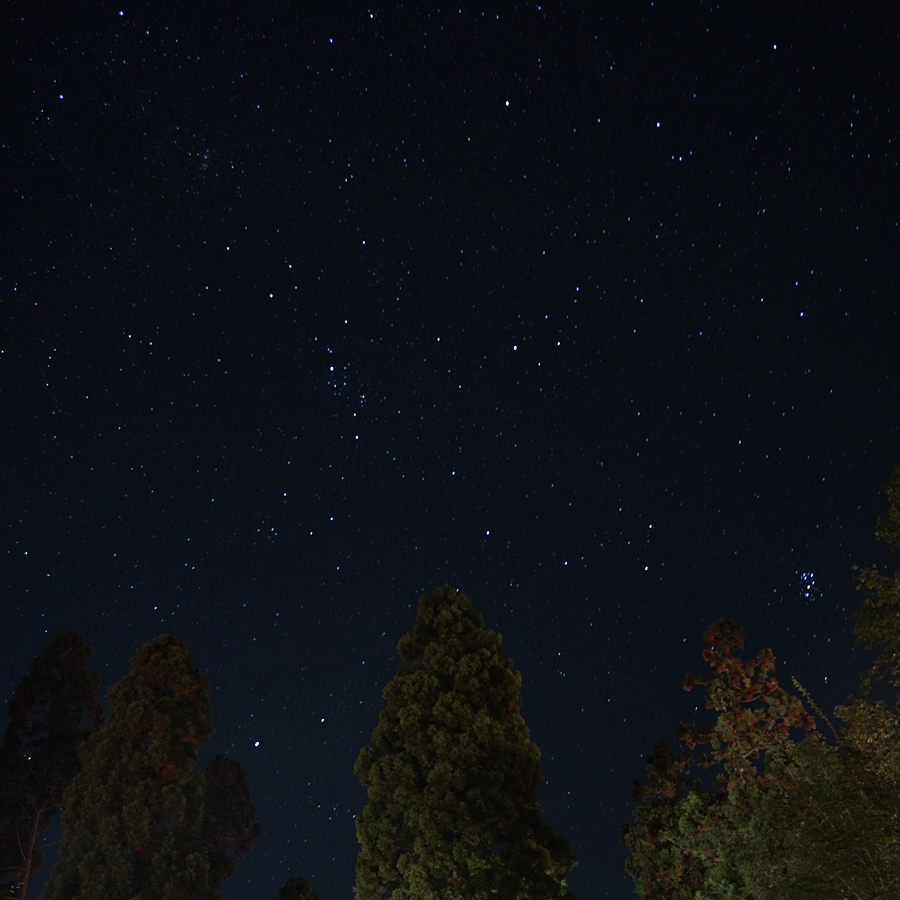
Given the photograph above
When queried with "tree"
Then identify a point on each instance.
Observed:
(878, 620)
(229, 816)
(297, 889)
(451, 773)
(786, 819)
(140, 820)
(53, 709)
(687, 843)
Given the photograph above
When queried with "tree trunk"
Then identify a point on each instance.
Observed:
(29, 855)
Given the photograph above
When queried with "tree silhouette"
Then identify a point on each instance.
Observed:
(140, 819)
(686, 842)
(451, 773)
(53, 709)
(297, 889)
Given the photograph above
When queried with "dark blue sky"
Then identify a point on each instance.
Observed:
(589, 310)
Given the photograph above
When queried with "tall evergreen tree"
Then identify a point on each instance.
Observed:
(54, 708)
(140, 820)
(451, 773)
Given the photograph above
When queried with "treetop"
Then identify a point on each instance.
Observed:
(442, 616)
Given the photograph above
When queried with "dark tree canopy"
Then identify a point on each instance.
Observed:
(54, 708)
(140, 820)
(297, 889)
(229, 816)
(451, 773)
(878, 620)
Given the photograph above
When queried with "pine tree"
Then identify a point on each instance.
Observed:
(451, 773)
(140, 820)
(53, 709)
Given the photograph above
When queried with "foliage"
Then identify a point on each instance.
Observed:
(878, 620)
(297, 889)
(786, 819)
(229, 824)
(451, 773)
(53, 709)
(664, 861)
(789, 816)
(140, 820)
(685, 842)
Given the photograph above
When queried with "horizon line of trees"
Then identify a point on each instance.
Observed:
(451, 774)
(758, 802)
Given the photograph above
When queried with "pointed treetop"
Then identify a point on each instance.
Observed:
(443, 615)
(165, 690)
(451, 773)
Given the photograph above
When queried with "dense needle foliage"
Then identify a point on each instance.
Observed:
(451, 773)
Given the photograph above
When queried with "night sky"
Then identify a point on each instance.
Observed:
(587, 309)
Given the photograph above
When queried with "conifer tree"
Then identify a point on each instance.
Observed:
(54, 708)
(140, 820)
(451, 773)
